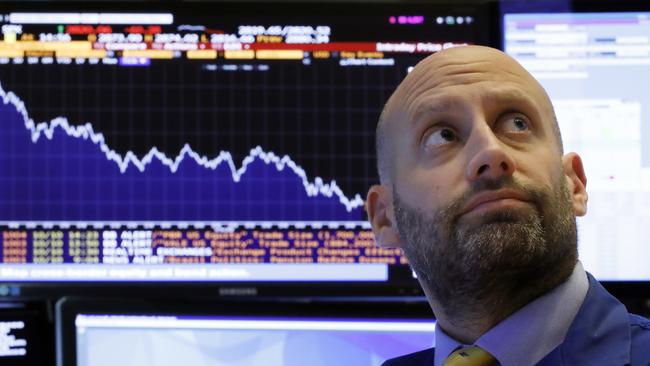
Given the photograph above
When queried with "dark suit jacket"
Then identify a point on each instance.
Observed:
(603, 333)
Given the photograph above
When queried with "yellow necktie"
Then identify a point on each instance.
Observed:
(472, 356)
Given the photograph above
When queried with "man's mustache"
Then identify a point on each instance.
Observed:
(535, 195)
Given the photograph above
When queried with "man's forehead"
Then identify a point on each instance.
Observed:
(462, 65)
(458, 67)
(459, 56)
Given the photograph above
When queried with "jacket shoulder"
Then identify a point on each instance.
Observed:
(637, 321)
(424, 357)
(640, 334)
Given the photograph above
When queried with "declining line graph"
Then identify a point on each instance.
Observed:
(322, 196)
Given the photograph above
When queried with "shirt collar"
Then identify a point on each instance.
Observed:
(444, 345)
(533, 331)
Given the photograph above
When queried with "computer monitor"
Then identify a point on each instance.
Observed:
(94, 333)
(203, 143)
(595, 66)
(25, 334)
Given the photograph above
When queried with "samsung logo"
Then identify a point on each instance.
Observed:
(238, 291)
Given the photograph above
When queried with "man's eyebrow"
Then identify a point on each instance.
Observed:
(433, 107)
(508, 96)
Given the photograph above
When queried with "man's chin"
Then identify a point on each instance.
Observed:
(509, 239)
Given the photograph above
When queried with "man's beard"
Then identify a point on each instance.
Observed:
(499, 260)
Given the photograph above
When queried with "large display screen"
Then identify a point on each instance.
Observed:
(211, 143)
(596, 69)
(146, 334)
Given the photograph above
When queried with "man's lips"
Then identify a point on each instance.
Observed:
(495, 199)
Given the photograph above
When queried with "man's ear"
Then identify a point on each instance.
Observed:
(577, 182)
(381, 214)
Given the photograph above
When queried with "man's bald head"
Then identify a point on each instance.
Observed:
(444, 69)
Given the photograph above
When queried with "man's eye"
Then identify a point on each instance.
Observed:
(516, 124)
(439, 137)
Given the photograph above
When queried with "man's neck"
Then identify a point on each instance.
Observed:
(475, 317)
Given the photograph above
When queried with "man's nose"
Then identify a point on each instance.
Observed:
(489, 158)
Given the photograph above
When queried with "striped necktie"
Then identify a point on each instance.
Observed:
(472, 356)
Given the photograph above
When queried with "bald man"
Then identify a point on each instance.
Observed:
(477, 191)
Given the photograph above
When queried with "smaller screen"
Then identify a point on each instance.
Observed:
(147, 340)
(23, 337)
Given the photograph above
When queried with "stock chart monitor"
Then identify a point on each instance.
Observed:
(212, 144)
